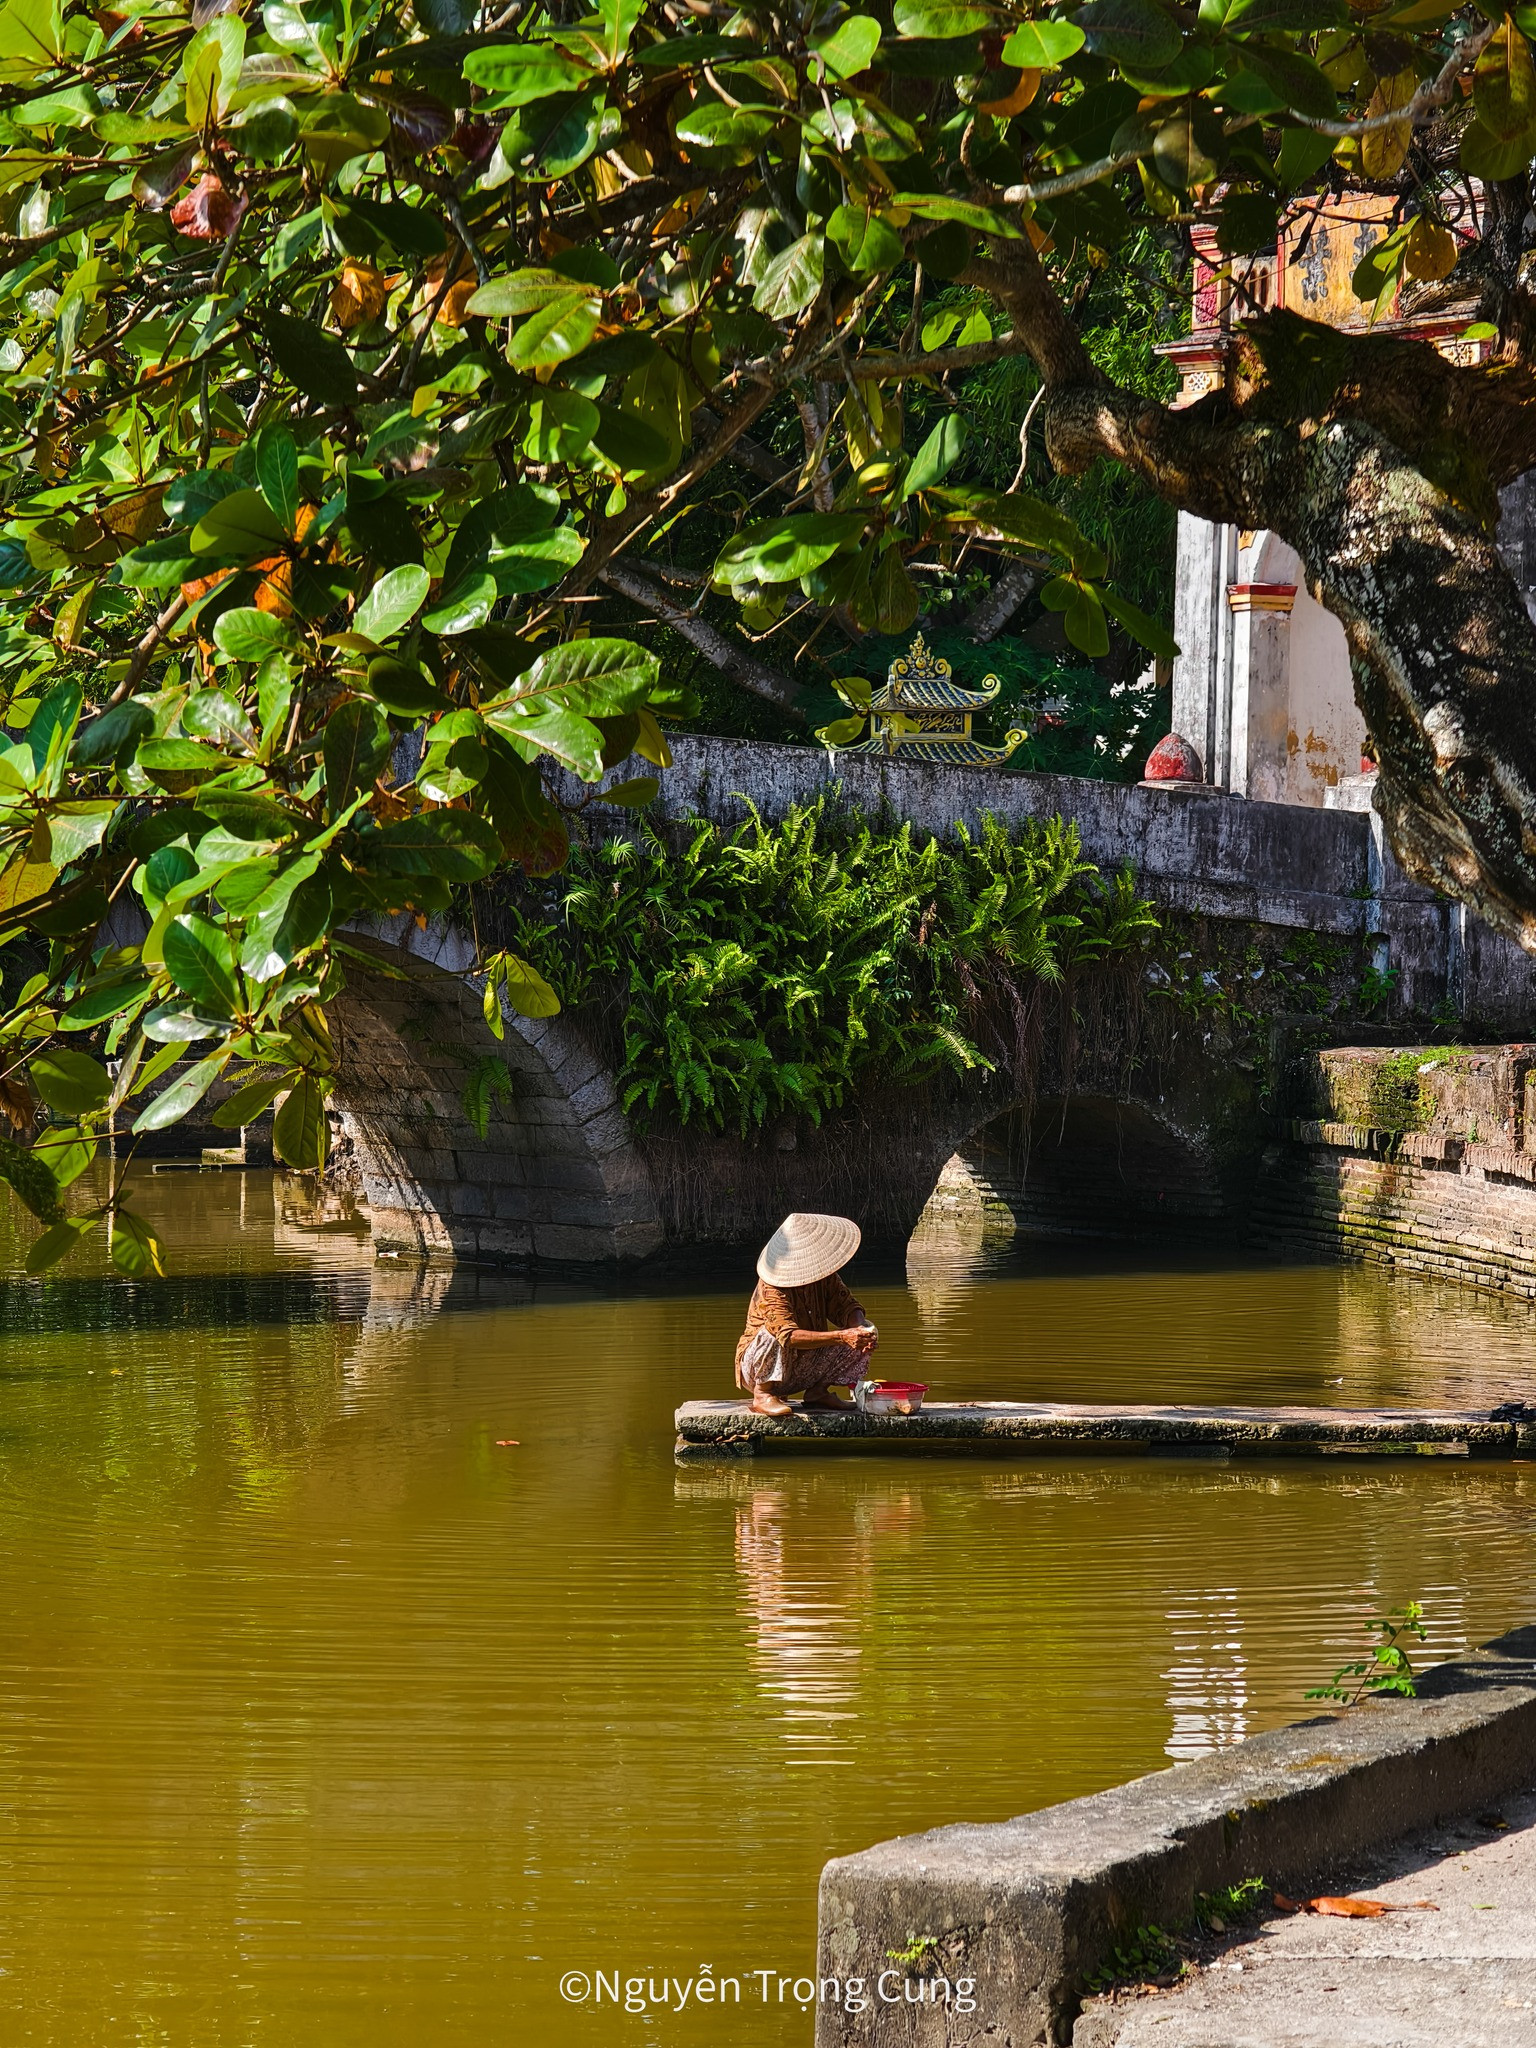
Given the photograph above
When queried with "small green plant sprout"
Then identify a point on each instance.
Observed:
(1376, 984)
(488, 1080)
(1149, 1953)
(920, 1949)
(1216, 1911)
(1388, 1668)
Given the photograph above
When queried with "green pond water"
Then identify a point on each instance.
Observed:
(326, 1718)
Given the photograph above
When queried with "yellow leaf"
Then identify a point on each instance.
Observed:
(1382, 150)
(1431, 252)
(361, 293)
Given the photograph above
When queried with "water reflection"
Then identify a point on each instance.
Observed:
(329, 1716)
(1208, 1686)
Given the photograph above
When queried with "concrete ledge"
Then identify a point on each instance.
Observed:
(1023, 1911)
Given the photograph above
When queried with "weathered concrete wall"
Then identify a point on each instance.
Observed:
(1422, 1158)
(1022, 1912)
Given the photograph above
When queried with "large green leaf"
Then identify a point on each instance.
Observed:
(403, 689)
(356, 746)
(937, 456)
(1295, 79)
(630, 444)
(1028, 522)
(277, 472)
(851, 46)
(454, 845)
(519, 73)
(251, 1101)
(247, 816)
(370, 226)
(1286, 17)
(300, 1130)
(560, 329)
(1041, 45)
(113, 734)
(319, 366)
(561, 425)
(246, 634)
(1135, 32)
(184, 1093)
(74, 828)
(1504, 85)
(180, 764)
(537, 562)
(200, 957)
(30, 1178)
(292, 916)
(792, 281)
(863, 240)
(525, 291)
(136, 1248)
(940, 18)
(58, 1243)
(598, 677)
(783, 550)
(1141, 625)
(392, 603)
(739, 131)
(243, 525)
(71, 1082)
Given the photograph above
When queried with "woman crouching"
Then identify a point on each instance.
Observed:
(805, 1332)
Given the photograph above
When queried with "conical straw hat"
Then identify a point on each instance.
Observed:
(807, 1248)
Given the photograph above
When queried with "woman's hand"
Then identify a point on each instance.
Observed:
(863, 1337)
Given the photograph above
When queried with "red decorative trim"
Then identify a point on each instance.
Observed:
(1261, 597)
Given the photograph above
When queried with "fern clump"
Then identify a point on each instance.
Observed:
(770, 970)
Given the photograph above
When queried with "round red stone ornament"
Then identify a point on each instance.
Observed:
(1173, 760)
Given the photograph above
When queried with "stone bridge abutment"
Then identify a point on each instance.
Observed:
(464, 1148)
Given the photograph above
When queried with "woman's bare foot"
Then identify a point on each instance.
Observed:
(825, 1399)
(763, 1403)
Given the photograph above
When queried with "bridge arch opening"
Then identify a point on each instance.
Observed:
(1084, 1165)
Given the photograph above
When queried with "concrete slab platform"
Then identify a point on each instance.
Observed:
(1461, 1977)
(729, 1429)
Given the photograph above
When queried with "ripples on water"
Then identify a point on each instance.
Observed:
(325, 1720)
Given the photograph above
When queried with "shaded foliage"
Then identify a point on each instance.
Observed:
(775, 969)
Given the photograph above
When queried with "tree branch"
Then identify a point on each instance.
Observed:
(1001, 602)
(738, 664)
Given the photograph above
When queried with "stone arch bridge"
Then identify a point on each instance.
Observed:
(559, 1177)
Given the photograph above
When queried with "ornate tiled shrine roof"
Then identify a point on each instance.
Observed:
(920, 710)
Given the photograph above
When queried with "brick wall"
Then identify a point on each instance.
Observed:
(1454, 1198)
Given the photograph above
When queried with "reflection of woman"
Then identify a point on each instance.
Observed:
(805, 1332)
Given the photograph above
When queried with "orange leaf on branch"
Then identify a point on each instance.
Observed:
(360, 294)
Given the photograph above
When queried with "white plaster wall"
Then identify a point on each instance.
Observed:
(1323, 729)
(1326, 729)
(1195, 625)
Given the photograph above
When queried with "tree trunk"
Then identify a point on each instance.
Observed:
(1442, 650)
